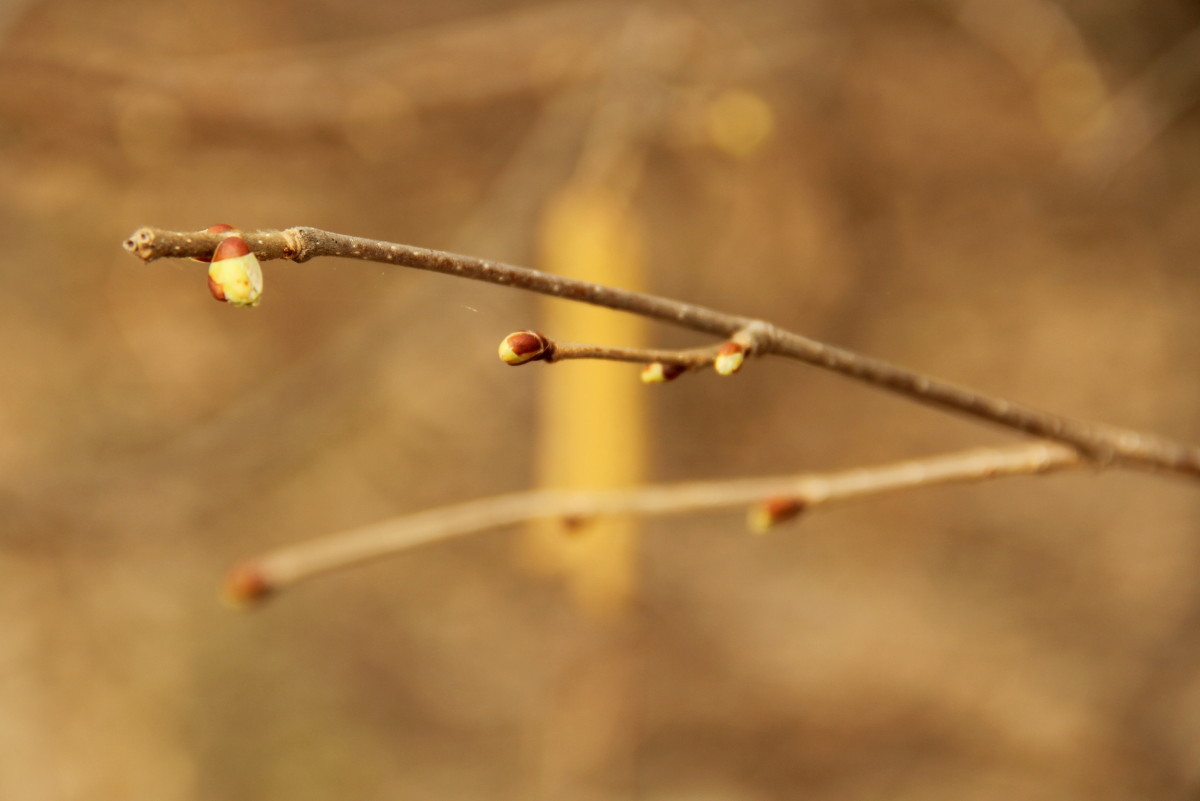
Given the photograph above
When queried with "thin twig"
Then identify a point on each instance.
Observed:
(737, 346)
(257, 578)
(691, 358)
(524, 347)
(1099, 443)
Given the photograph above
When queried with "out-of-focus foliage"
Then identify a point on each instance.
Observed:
(999, 192)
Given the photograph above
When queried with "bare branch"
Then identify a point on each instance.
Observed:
(257, 578)
(1099, 443)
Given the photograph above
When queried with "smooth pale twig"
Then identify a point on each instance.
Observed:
(691, 358)
(255, 579)
(1099, 443)
(528, 346)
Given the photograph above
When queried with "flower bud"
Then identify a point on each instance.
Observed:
(524, 346)
(729, 358)
(659, 373)
(234, 275)
(219, 228)
(772, 512)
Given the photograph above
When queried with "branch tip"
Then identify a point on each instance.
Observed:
(140, 243)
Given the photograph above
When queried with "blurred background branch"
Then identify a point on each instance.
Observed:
(254, 580)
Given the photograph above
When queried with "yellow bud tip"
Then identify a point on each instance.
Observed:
(659, 373)
(523, 346)
(729, 359)
(773, 512)
(654, 374)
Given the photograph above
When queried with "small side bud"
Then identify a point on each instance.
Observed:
(730, 357)
(524, 346)
(235, 276)
(659, 373)
(772, 512)
(245, 587)
(219, 228)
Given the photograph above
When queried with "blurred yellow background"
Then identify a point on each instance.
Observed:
(1003, 193)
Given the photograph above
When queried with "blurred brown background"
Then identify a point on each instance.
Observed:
(1001, 193)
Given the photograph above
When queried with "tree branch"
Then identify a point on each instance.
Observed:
(255, 579)
(1099, 443)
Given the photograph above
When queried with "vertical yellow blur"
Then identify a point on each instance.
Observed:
(593, 422)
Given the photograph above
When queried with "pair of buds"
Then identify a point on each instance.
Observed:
(234, 274)
(729, 359)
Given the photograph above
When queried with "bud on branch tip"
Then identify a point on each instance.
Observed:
(521, 347)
